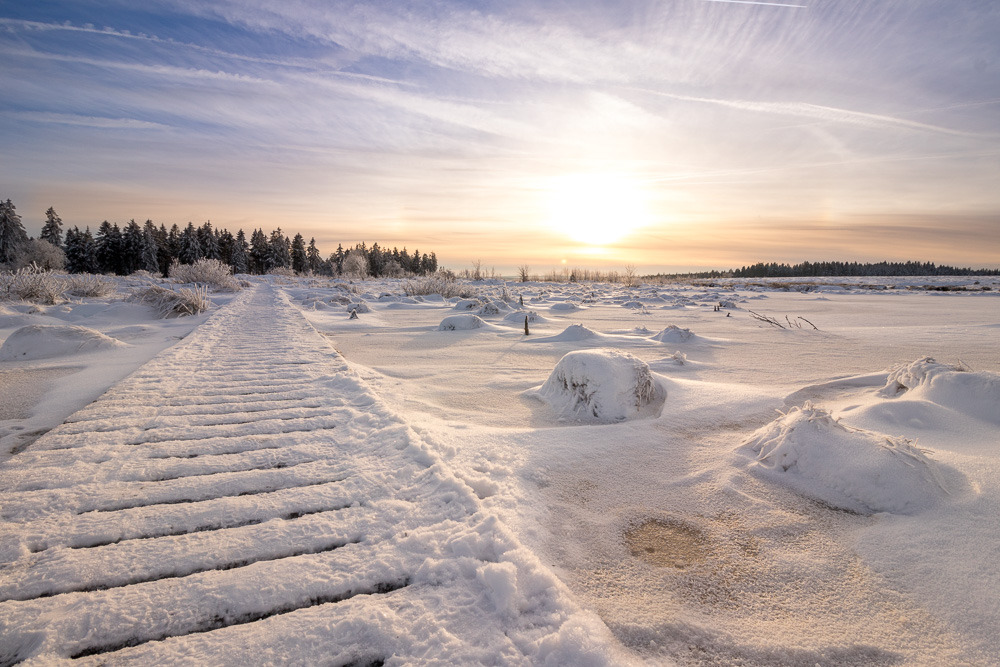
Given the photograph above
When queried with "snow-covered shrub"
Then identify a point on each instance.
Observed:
(359, 307)
(603, 384)
(461, 323)
(904, 377)
(88, 284)
(519, 315)
(31, 283)
(440, 283)
(43, 341)
(283, 271)
(469, 304)
(844, 467)
(209, 272)
(173, 303)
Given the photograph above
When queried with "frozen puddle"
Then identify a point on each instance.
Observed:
(667, 543)
(244, 498)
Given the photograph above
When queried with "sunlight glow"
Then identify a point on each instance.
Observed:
(596, 209)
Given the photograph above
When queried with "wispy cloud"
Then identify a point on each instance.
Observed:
(87, 121)
(751, 2)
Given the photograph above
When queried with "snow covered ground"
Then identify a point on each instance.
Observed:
(448, 488)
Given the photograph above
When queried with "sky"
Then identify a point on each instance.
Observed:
(671, 135)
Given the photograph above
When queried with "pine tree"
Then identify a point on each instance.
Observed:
(337, 259)
(208, 241)
(109, 248)
(12, 234)
(52, 229)
(300, 262)
(87, 253)
(259, 252)
(313, 259)
(72, 248)
(150, 249)
(240, 259)
(226, 242)
(190, 250)
(278, 254)
(133, 248)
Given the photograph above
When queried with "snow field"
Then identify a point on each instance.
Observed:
(244, 483)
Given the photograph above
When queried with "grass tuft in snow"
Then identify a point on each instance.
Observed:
(31, 283)
(208, 272)
(446, 287)
(89, 285)
(173, 303)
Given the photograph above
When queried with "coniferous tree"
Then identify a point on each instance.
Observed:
(313, 259)
(278, 253)
(109, 247)
(190, 250)
(12, 234)
(240, 258)
(71, 246)
(226, 242)
(300, 261)
(52, 229)
(337, 260)
(150, 249)
(208, 241)
(259, 252)
(133, 248)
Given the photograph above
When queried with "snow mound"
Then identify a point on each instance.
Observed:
(43, 341)
(518, 317)
(847, 468)
(673, 334)
(603, 384)
(360, 307)
(973, 393)
(468, 304)
(564, 307)
(461, 323)
(635, 305)
(574, 332)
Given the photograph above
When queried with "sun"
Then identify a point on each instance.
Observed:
(597, 209)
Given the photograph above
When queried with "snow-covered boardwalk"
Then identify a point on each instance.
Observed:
(245, 499)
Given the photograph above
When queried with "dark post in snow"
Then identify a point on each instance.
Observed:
(526, 325)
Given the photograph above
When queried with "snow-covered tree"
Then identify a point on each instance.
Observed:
(150, 260)
(209, 241)
(313, 259)
(12, 234)
(52, 229)
(190, 249)
(109, 248)
(240, 257)
(259, 252)
(356, 264)
(278, 252)
(300, 262)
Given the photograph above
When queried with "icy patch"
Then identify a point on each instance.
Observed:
(847, 468)
(461, 323)
(674, 334)
(43, 341)
(603, 384)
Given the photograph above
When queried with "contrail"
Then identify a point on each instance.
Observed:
(752, 2)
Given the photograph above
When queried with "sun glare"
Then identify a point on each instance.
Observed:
(596, 209)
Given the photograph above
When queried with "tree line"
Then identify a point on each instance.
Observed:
(148, 247)
(837, 270)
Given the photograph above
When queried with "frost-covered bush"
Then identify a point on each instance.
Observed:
(173, 303)
(845, 467)
(602, 384)
(283, 271)
(89, 285)
(439, 283)
(359, 307)
(31, 283)
(208, 272)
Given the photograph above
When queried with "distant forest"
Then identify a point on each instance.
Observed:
(150, 248)
(843, 269)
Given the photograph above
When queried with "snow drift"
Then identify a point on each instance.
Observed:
(956, 387)
(43, 341)
(461, 323)
(603, 384)
(848, 468)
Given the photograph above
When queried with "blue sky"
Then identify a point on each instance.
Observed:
(670, 134)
